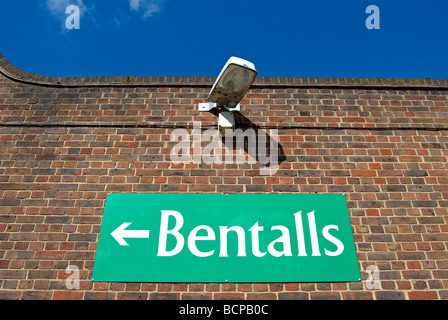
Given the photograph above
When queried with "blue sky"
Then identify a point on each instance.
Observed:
(177, 38)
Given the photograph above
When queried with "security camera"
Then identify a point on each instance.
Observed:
(229, 89)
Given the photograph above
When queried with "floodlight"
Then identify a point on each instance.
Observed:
(233, 82)
(229, 89)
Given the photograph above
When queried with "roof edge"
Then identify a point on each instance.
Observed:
(13, 73)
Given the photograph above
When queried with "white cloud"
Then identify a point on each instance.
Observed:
(148, 7)
(135, 4)
(151, 10)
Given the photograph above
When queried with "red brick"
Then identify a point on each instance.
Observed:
(422, 295)
(68, 295)
(9, 295)
(100, 296)
(36, 295)
(229, 296)
(132, 296)
(325, 296)
(293, 296)
(164, 296)
(261, 296)
(197, 296)
(363, 173)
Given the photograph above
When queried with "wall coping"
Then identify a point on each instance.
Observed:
(13, 73)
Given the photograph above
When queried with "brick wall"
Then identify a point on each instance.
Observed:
(65, 143)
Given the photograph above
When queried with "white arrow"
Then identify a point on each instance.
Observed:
(120, 233)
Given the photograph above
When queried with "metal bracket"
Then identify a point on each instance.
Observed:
(226, 122)
(207, 106)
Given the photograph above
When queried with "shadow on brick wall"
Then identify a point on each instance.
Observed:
(262, 144)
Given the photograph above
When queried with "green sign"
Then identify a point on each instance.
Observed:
(220, 238)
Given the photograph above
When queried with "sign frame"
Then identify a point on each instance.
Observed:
(152, 237)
